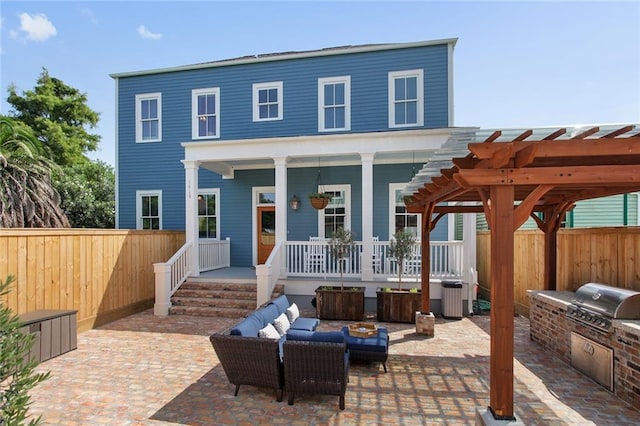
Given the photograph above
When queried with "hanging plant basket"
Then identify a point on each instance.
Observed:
(319, 201)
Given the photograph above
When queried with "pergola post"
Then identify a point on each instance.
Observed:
(502, 294)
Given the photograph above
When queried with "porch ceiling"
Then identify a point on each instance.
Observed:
(401, 146)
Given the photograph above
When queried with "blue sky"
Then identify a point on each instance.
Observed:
(516, 64)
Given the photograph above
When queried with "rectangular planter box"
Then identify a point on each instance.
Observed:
(336, 304)
(398, 306)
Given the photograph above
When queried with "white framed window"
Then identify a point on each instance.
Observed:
(334, 104)
(267, 101)
(205, 110)
(399, 218)
(149, 117)
(406, 98)
(209, 213)
(149, 209)
(337, 214)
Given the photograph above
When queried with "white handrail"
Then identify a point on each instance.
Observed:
(267, 275)
(169, 276)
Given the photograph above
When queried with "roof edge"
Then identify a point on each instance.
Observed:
(290, 55)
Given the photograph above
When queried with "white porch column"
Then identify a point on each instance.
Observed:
(469, 238)
(282, 203)
(191, 212)
(367, 215)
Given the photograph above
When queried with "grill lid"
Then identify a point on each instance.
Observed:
(613, 302)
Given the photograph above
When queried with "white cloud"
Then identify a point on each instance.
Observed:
(36, 27)
(88, 13)
(145, 33)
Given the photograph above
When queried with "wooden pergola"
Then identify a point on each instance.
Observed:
(511, 177)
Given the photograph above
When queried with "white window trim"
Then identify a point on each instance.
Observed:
(346, 80)
(216, 192)
(393, 187)
(194, 111)
(139, 98)
(420, 88)
(347, 207)
(260, 86)
(147, 193)
(254, 217)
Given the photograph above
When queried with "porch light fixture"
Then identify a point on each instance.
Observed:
(294, 203)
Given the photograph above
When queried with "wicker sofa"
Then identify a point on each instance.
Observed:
(251, 360)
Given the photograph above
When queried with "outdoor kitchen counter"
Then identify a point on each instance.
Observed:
(552, 329)
(561, 299)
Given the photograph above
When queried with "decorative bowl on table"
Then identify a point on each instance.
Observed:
(363, 329)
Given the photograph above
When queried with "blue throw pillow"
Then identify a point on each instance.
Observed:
(281, 302)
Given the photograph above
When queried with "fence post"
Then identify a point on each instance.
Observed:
(163, 283)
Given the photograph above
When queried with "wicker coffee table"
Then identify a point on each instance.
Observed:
(374, 348)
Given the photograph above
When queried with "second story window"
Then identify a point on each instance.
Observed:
(334, 104)
(267, 101)
(406, 101)
(149, 117)
(206, 113)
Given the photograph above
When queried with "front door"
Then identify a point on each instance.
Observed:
(266, 232)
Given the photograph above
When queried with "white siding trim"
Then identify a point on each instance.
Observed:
(147, 96)
(194, 112)
(450, 100)
(419, 74)
(117, 159)
(147, 193)
(216, 192)
(270, 85)
(346, 80)
(346, 188)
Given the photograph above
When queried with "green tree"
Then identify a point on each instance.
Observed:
(17, 373)
(59, 116)
(87, 192)
(27, 196)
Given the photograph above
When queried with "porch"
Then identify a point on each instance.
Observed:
(300, 264)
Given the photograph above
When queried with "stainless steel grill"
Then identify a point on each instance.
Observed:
(597, 304)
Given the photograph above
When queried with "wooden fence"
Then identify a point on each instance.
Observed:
(103, 274)
(605, 255)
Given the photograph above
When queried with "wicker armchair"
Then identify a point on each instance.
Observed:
(250, 361)
(316, 367)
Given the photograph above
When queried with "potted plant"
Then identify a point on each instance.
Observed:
(340, 303)
(319, 200)
(398, 305)
(401, 248)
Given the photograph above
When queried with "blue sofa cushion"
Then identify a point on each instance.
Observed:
(248, 327)
(281, 302)
(377, 343)
(316, 336)
(309, 324)
(267, 314)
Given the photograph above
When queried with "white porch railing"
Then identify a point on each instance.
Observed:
(170, 275)
(214, 254)
(313, 259)
(267, 275)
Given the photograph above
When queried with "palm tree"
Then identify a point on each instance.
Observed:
(27, 197)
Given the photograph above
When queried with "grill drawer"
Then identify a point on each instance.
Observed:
(592, 359)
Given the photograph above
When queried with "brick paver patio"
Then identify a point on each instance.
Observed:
(146, 370)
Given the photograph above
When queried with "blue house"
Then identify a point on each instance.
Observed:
(230, 150)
